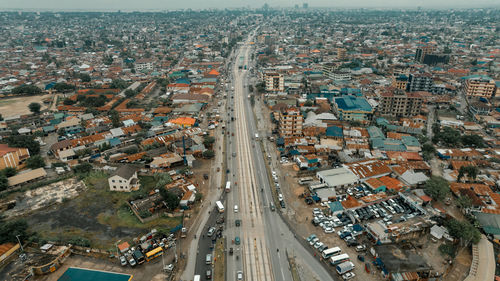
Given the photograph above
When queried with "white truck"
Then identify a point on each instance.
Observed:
(344, 267)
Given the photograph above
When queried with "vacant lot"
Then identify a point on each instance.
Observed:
(97, 214)
(19, 106)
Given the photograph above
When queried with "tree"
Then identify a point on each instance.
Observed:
(464, 231)
(437, 187)
(1, 117)
(82, 168)
(130, 93)
(114, 116)
(26, 89)
(23, 142)
(208, 141)
(428, 151)
(9, 172)
(171, 200)
(4, 182)
(107, 59)
(35, 162)
(208, 154)
(308, 103)
(162, 179)
(470, 171)
(464, 202)
(472, 140)
(118, 84)
(64, 87)
(10, 229)
(85, 77)
(35, 107)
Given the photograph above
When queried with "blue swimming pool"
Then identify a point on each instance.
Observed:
(82, 274)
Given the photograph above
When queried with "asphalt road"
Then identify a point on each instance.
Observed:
(266, 241)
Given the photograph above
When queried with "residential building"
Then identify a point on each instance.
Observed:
(275, 82)
(291, 121)
(143, 64)
(353, 108)
(400, 82)
(479, 86)
(12, 157)
(341, 53)
(400, 104)
(420, 82)
(124, 179)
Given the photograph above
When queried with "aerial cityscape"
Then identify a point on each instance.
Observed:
(260, 141)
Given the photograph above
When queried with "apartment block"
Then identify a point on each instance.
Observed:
(275, 82)
(480, 87)
(400, 82)
(142, 64)
(420, 82)
(341, 53)
(424, 50)
(400, 104)
(291, 121)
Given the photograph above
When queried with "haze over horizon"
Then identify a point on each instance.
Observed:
(148, 5)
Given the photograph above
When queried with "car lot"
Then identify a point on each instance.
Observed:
(347, 228)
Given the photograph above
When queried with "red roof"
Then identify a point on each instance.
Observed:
(214, 72)
(426, 198)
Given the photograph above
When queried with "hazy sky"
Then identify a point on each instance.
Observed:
(203, 4)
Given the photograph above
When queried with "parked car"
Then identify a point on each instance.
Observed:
(311, 237)
(239, 275)
(211, 231)
(123, 260)
(348, 275)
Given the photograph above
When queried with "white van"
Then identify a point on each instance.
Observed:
(235, 208)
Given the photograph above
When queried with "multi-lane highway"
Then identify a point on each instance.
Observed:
(266, 242)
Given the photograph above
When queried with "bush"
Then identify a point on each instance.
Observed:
(35, 162)
(448, 250)
(145, 214)
(79, 241)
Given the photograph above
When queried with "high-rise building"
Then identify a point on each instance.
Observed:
(290, 122)
(305, 5)
(341, 53)
(420, 82)
(479, 86)
(424, 50)
(275, 82)
(398, 103)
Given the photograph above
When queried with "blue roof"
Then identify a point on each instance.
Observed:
(388, 145)
(335, 206)
(114, 141)
(50, 85)
(382, 121)
(410, 141)
(350, 103)
(375, 133)
(183, 81)
(334, 131)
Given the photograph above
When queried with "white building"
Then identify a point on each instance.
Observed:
(124, 179)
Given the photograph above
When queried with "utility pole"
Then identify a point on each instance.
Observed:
(17, 236)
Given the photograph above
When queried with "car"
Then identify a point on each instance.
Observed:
(131, 261)
(322, 248)
(360, 248)
(318, 244)
(234, 154)
(237, 240)
(239, 275)
(348, 275)
(329, 230)
(282, 203)
(123, 260)
(205, 176)
(311, 237)
(235, 208)
(271, 205)
(211, 231)
(280, 197)
(313, 241)
(209, 274)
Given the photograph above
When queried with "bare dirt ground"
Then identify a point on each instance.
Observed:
(19, 106)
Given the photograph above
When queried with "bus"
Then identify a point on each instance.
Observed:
(220, 207)
(154, 253)
(228, 186)
(305, 180)
(331, 252)
(339, 259)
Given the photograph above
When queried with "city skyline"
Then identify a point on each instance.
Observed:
(156, 5)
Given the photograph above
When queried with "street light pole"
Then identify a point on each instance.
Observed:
(17, 236)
